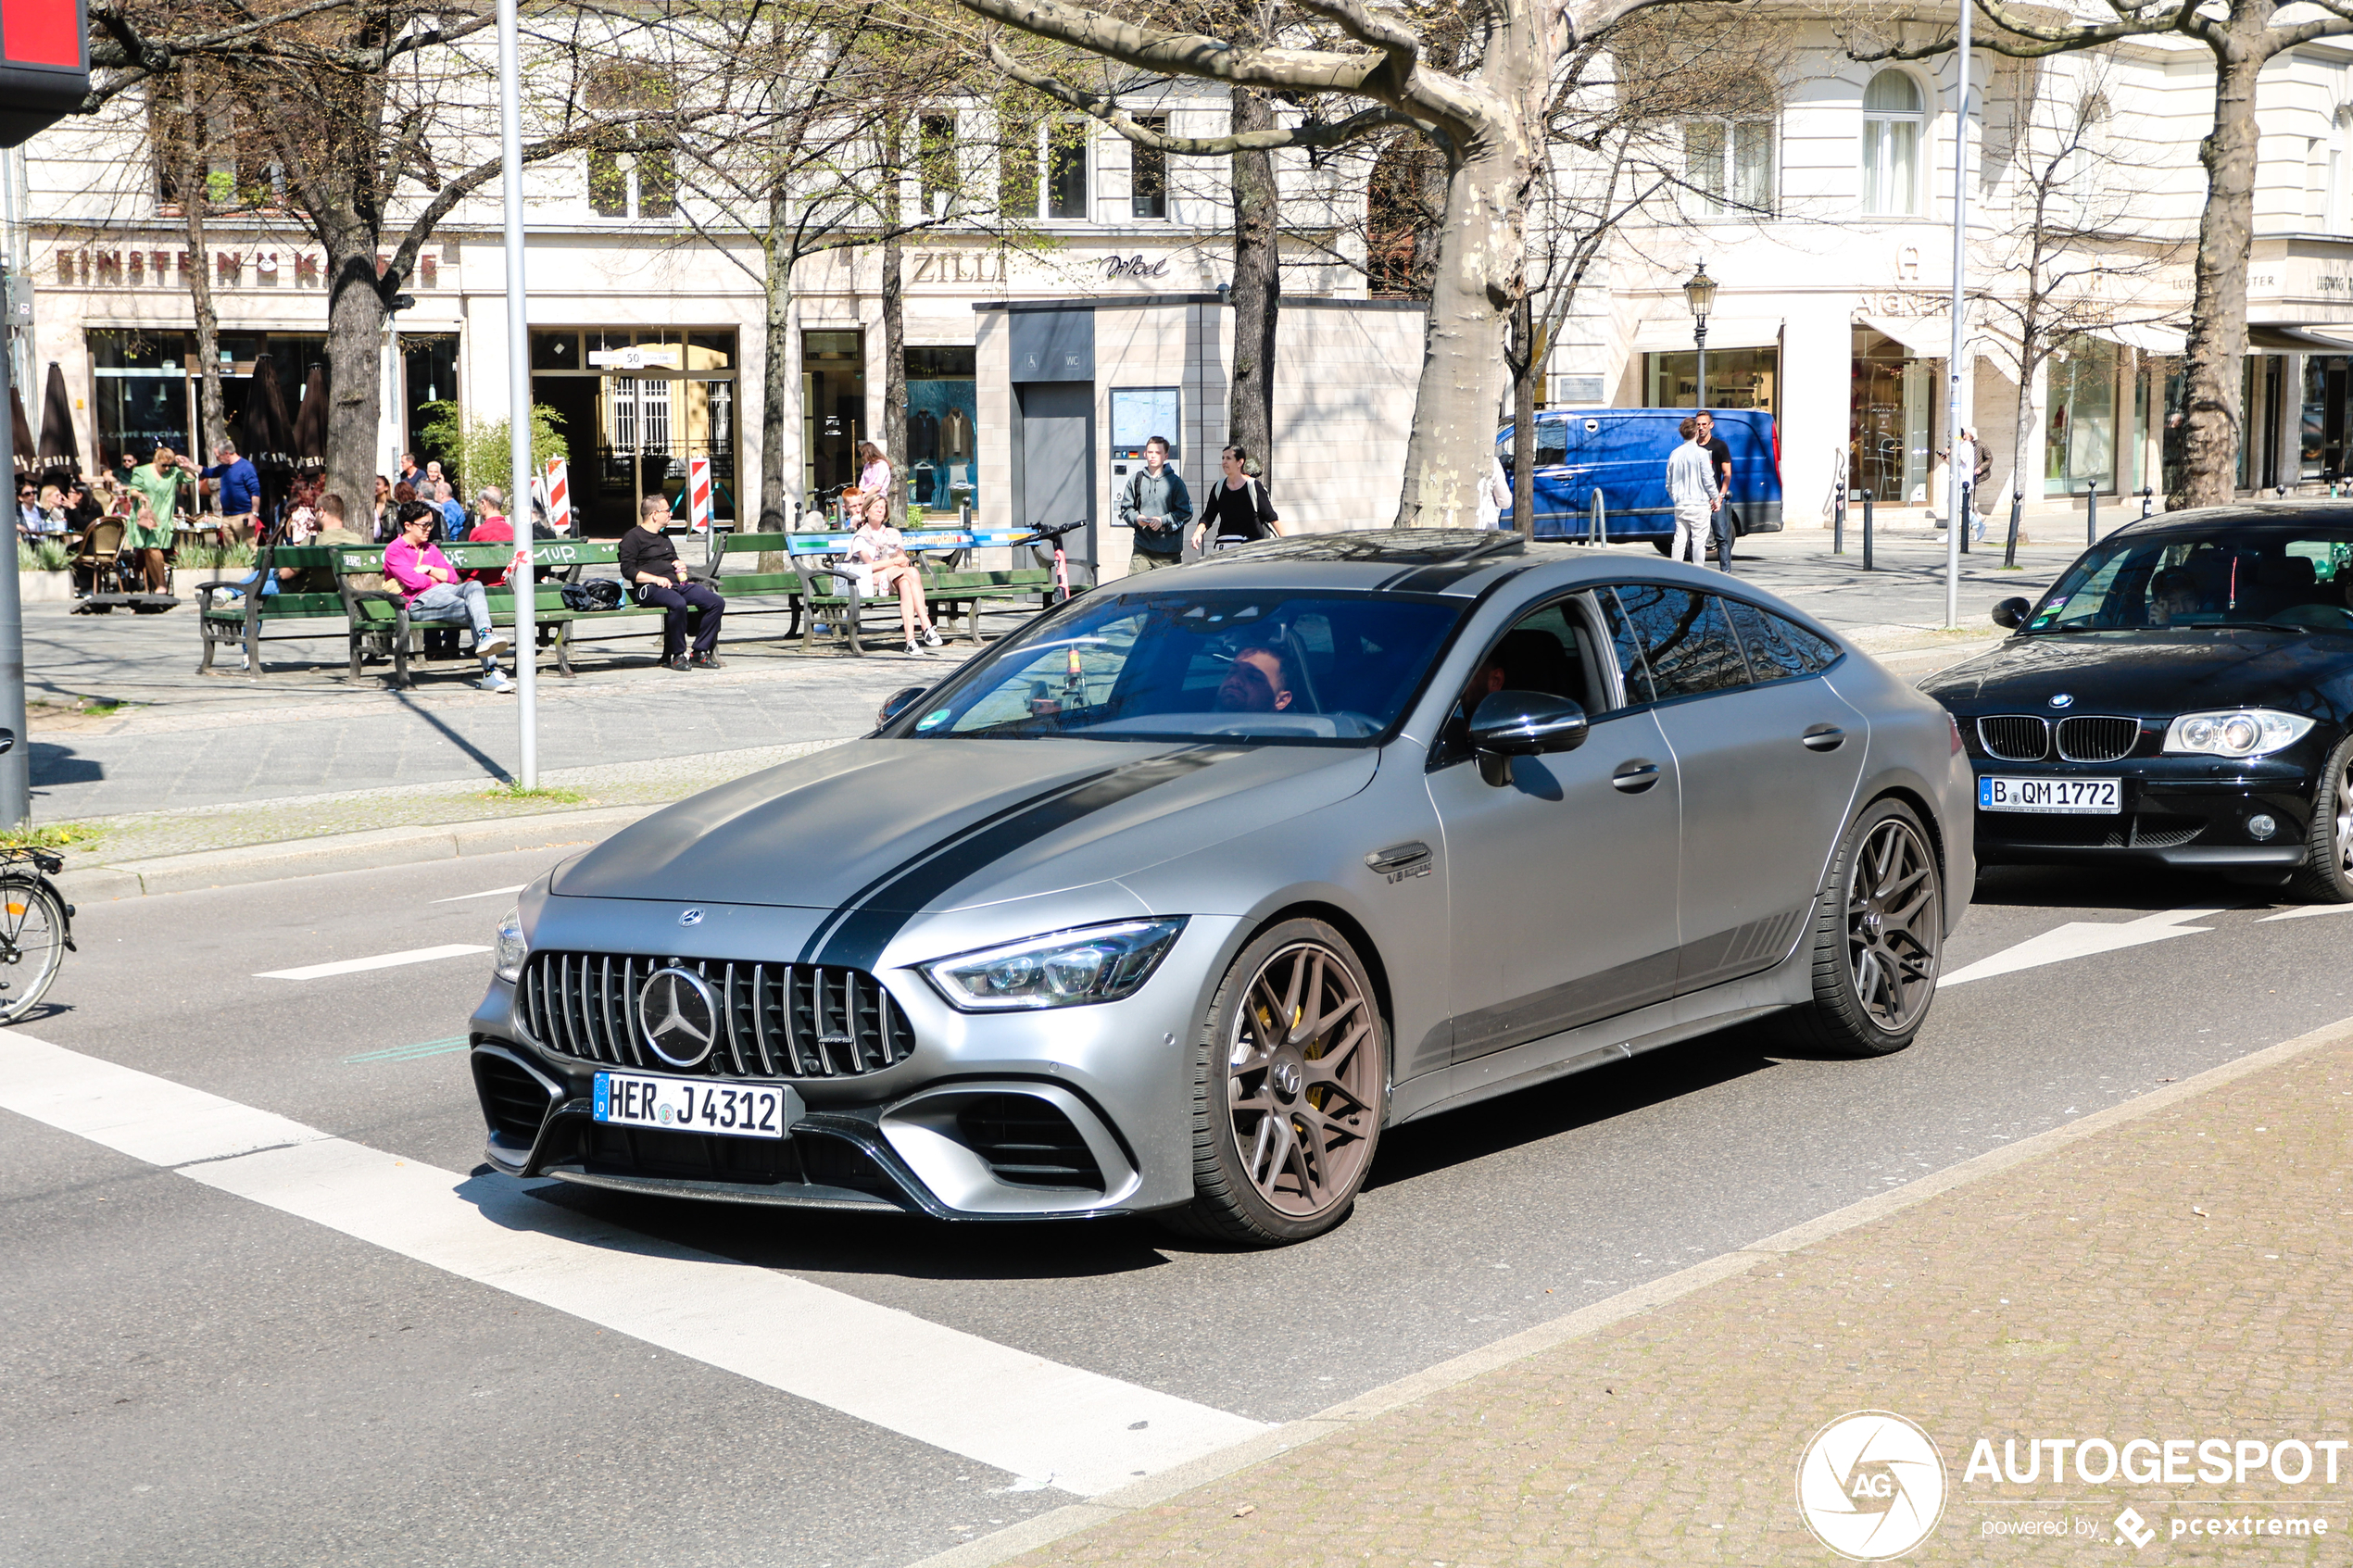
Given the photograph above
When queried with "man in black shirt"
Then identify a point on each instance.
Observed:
(1719, 463)
(654, 574)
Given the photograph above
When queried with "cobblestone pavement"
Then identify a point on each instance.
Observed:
(2187, 1273)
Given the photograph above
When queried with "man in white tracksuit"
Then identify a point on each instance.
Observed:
(1691, 485)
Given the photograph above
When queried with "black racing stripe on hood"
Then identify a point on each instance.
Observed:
(1437, 578)
(861, 929)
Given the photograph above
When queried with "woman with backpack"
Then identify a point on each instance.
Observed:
(1238, 509)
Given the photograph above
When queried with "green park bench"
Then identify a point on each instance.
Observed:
(227, 616)
(803, 582)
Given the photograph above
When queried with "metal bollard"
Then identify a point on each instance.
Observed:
(1597, 525)
(2091, 514)
(2148, 500)
(1866, 527)
(1838, 524)
(2009, 553)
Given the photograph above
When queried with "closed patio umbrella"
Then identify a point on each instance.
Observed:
(268, 434)
(309, 445)
(60, 456)
(27, 455)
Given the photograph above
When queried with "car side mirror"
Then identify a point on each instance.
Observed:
(897, 703)
(1510, 723)
(2012, 613)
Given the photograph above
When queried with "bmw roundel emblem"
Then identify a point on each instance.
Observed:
(690, 917)
(2062, 701)
(679, 1015)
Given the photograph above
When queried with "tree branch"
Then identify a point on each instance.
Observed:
(1355, 126)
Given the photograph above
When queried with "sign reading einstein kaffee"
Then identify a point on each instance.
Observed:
(154, 264)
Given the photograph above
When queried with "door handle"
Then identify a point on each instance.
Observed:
(1823, 737)
(1632, 778)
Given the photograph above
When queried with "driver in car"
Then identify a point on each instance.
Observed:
(1257, 682)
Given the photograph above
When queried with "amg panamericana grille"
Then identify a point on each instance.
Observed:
(775, 1020)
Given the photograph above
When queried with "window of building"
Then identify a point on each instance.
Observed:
(1148, 181)
(1893, 118)
(1729, 164)
(936, 163)
(1890, 419)
(2079, 434)
(1066, 167)
(2088, 163)
(1737, 378)
(634, 175)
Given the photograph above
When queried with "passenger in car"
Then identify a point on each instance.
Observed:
(1257, 682)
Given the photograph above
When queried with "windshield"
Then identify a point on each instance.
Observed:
(2291, 578)
(1268, 665)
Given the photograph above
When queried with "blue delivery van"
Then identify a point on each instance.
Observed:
(1622, 452)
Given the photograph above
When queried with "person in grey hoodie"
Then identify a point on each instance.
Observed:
(1691, 485)
(1157, 505)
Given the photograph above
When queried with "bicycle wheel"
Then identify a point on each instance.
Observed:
(33, 943)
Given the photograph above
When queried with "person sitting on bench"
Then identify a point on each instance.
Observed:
(430, 584)
(654, 574)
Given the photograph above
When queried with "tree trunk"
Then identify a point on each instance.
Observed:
(775, 380)
(356, 318)
(2217, 311)
(2022, 436)
(1472, 295)
(212, 418)
(1257, 289)
(894, 420)
(1526, 365)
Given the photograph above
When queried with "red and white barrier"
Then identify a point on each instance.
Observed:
(559, 496)
(699, 494)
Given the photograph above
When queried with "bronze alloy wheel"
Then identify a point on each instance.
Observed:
(1878, 937)
(1290, 1089)
(1892, 919)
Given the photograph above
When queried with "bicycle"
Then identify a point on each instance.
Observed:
(1073, 677)
(36, 930)
(1062, 563)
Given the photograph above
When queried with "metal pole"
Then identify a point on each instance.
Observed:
(1866, 527)
(15, 764)
(1699, 342)
(2091, 514)
(2009, 552)
(2148, 498)
(1953, 366)
(526, 585)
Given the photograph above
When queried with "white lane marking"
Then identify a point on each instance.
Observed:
(486, 893)
(2081, 939)
(2302, 910)
(1040, 1420)
(381, 960)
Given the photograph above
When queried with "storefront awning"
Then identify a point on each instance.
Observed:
(1929, 337)
(2166, 343)
(1672, 334)
(2326, 337)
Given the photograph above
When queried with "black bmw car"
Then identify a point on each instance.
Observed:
(2182, 696)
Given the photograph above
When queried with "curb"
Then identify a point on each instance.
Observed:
(368, 851)
(1001, 1546)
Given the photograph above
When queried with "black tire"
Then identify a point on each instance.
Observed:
(33, 943)
(2326, 876)
(1663, 547)
(1878, 938)
(1277, 1190)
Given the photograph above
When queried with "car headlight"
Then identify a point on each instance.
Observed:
(507, 958)
(2236, 731)
(1063, 969)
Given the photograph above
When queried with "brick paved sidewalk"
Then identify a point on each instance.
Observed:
(2184, 1271)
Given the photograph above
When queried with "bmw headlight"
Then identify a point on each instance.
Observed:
(1063, 969)
(507, 958)
(2236, 731)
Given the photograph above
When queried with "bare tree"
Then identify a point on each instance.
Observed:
(2243, 36)
(1484, 117)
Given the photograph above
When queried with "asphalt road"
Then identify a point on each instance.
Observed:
(192, 1376)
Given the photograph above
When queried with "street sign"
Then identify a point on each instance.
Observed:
(643, 355)
(45, 65)
(699, 494)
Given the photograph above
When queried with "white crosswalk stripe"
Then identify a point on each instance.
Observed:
(1044, 1422)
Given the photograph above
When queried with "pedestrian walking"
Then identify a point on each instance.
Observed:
(424, 577)
(1969, 456)
(1494, 494)
(874, 473)
(1238, 510)
(156, 482)
(654, 574)
(1157, 505)
(1691, 485)
(1720, 468)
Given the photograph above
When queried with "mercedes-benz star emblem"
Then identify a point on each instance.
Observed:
(690, 917)
(2062, 701)
(679, 1017)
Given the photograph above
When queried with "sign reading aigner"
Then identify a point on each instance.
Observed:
(45, 65)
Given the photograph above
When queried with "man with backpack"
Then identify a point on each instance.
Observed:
(1157, 505)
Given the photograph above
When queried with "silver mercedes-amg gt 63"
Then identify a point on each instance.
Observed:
(1172, 901)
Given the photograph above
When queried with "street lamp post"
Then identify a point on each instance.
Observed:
(1699, 292)
(527, 584)
(1954, 518)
